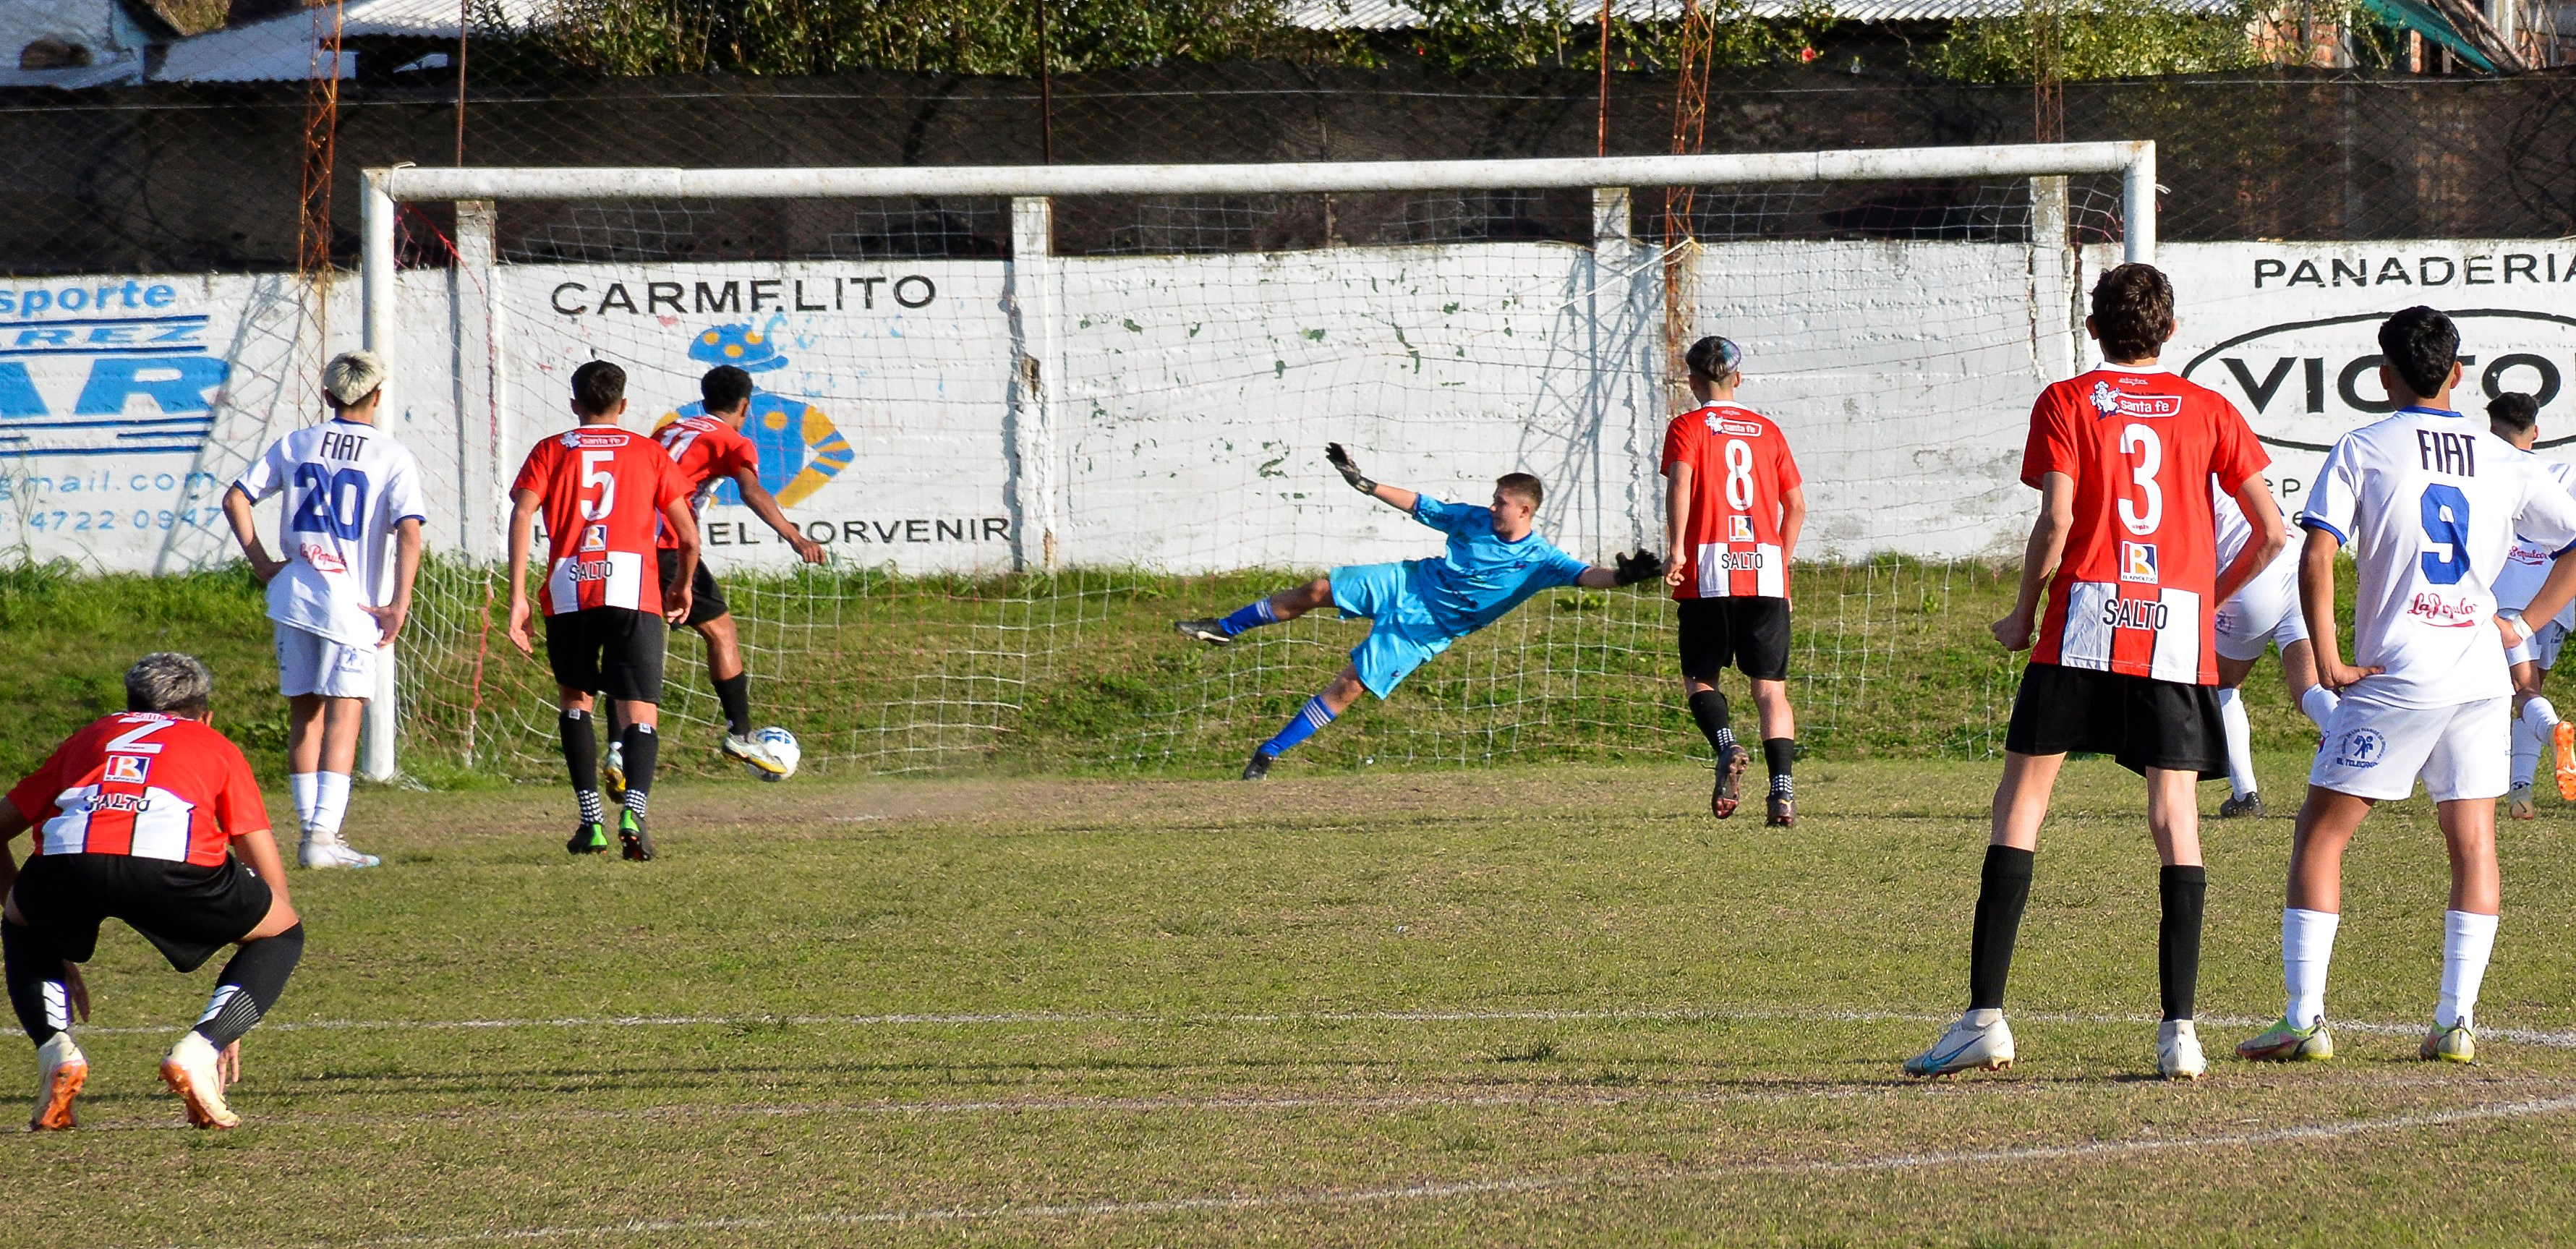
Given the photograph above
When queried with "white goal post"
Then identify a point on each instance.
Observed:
(1029, 191)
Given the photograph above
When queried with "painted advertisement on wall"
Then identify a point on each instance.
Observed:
(2290, 333)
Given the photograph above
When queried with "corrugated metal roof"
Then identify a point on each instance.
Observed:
(1395, 15)
(283, 48)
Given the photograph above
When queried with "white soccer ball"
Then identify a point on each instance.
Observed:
(782, 747)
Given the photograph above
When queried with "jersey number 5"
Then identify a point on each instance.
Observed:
(594, 472)
(2446, 521)
(2143, 518)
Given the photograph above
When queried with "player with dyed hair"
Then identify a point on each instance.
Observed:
(601, 490)
(2125, 544)
(1496, 560)
(351, 532)
(709, 448)
(1732, 512)
(151, 817)
(2515, 417)
(2429, 501)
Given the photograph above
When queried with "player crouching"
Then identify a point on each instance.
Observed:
(151, 817)
(1496, 561)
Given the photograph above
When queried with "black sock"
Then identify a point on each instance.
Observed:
(581, 758)
(36, 986)
(2000, 897)
(249, 986)
(734, 694)
(642, 744)
(1709, 708)
(2186, 893)
(1779, 753)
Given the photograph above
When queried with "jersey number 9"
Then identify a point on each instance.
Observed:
(2446, 521)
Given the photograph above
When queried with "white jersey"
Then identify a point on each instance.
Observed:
(2428, 502)
(348, 486)
(2233, 531)
(2527, 564)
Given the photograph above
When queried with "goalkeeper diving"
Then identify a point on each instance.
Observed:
(1495, 561)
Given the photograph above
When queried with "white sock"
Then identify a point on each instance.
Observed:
(2467, 939)
(2540, 716)
(2319, 703)
(2240, 742)
(302, 785)
(2307, 945)
(2526, 752)
(330, 803)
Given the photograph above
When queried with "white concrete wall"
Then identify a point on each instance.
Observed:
(1177, 408)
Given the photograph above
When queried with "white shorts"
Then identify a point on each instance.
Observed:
(2539, 648)
(309, 663)
(2374, 749)
(2264, 612)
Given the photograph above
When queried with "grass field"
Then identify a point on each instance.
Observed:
(1511, 1006)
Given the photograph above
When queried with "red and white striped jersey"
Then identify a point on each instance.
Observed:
(144, 784)
(706, 449)
(1740, 468)
(2133, 590)
(603, 490)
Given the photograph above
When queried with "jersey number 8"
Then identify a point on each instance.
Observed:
(333, 503)
(1739, 475)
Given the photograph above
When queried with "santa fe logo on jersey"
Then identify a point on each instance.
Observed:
(2109, 402)
(126, 769)
(2138, 562)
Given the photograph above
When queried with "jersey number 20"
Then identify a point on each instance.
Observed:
(334, 503)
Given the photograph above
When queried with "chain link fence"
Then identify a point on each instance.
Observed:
(179, 179)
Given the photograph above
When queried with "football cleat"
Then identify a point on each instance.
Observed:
(2250, 804)
(588, 838)
(1722, 800)
(60, 1071)
(191, 1072)
(2286, 1043)
(318, 852)
(633, 839)
(2454, 1044)
(2520, 805)
(2178, 1055)
(1966, 1045)
(2563, 761)
(1258, 767)
(612, 774)
(1209, 630)
(754, 755)
(1783, 813)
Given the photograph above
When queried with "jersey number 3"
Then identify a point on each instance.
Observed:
(2144, 515)
(2446, 521)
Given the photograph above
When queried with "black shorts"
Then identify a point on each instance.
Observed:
(706, 598)
(186, 911)
(1750, 633)
(2143, 723)
(615, 651)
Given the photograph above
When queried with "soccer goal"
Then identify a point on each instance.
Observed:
(1036, 413)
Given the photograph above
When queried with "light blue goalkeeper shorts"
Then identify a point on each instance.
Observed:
(1401, 634)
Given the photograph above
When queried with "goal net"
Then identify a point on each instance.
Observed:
(1036, 415)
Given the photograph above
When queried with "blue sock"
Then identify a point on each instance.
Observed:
(1314, 715)
(1250, 617)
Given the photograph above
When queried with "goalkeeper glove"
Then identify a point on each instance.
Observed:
(1644, 565)
(1341, 462)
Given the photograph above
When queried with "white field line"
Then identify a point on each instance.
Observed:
(1495, 1187)
(2523, 1036)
